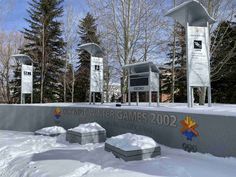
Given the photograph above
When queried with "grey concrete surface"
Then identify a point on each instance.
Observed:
(139, 154)
(217, 133)
(85, 138)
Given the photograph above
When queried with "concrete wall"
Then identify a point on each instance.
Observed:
(217, 134)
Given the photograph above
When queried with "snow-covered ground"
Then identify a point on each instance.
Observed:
(25, 155)
(216, 109)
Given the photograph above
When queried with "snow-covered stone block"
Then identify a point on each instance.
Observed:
(132, 147)
(50, 131)
(86, 133)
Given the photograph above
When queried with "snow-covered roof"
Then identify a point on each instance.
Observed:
(192, 12)
(22, 58)
(92, 48)
(143, 66)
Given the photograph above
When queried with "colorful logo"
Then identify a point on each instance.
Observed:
(57, 114)
(189, 128)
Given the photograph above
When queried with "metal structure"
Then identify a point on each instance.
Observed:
(142, 77)
(26, 75)
(195, 18)
(96, 70)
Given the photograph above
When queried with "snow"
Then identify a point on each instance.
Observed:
(216, 109)
(22, 154)
(88, 128)
(130, 142)
(54, 130)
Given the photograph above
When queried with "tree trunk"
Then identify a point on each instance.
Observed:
(107, 92)
(43, 67)
(64, 79)
(202, 95)
(124, 87)
(73, 85)
(173, 66)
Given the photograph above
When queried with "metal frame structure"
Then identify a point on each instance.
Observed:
(26, 60)
(95, 51)
(151, 69)
(193, 13)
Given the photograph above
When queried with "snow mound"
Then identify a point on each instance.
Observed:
(130, 142)
(87, 128)
(51, 131)
(22, 154)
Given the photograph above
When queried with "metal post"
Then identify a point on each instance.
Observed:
(90, 91)
(102, 98)
(93, 97)
(192, 96)
(150, 97)
(137, 98)
(90, 97)
(158, 98)
(129, 97)
(209, 96)
(189, 95)
(23, 98)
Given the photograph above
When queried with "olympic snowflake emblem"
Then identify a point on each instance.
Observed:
(189, 128)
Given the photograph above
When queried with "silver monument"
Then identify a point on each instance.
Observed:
(196, 20)
(143, 77)
(96, 69)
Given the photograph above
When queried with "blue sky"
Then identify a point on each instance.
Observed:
(13, 19)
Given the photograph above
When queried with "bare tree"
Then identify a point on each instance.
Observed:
(133, 27)
(71, 39)
(9, 45)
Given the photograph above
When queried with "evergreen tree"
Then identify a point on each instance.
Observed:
(16, 83)
(179, 65)
(223, 63)
(46, 47)
(88, 34)
(69, 78)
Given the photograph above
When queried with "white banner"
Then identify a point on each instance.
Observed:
(96, 74)
(198, 56)
(26, 78)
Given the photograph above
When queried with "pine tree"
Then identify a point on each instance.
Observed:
(16, 83)
(223, 63)
(88, 34)
(46, 48)
(179, 65)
